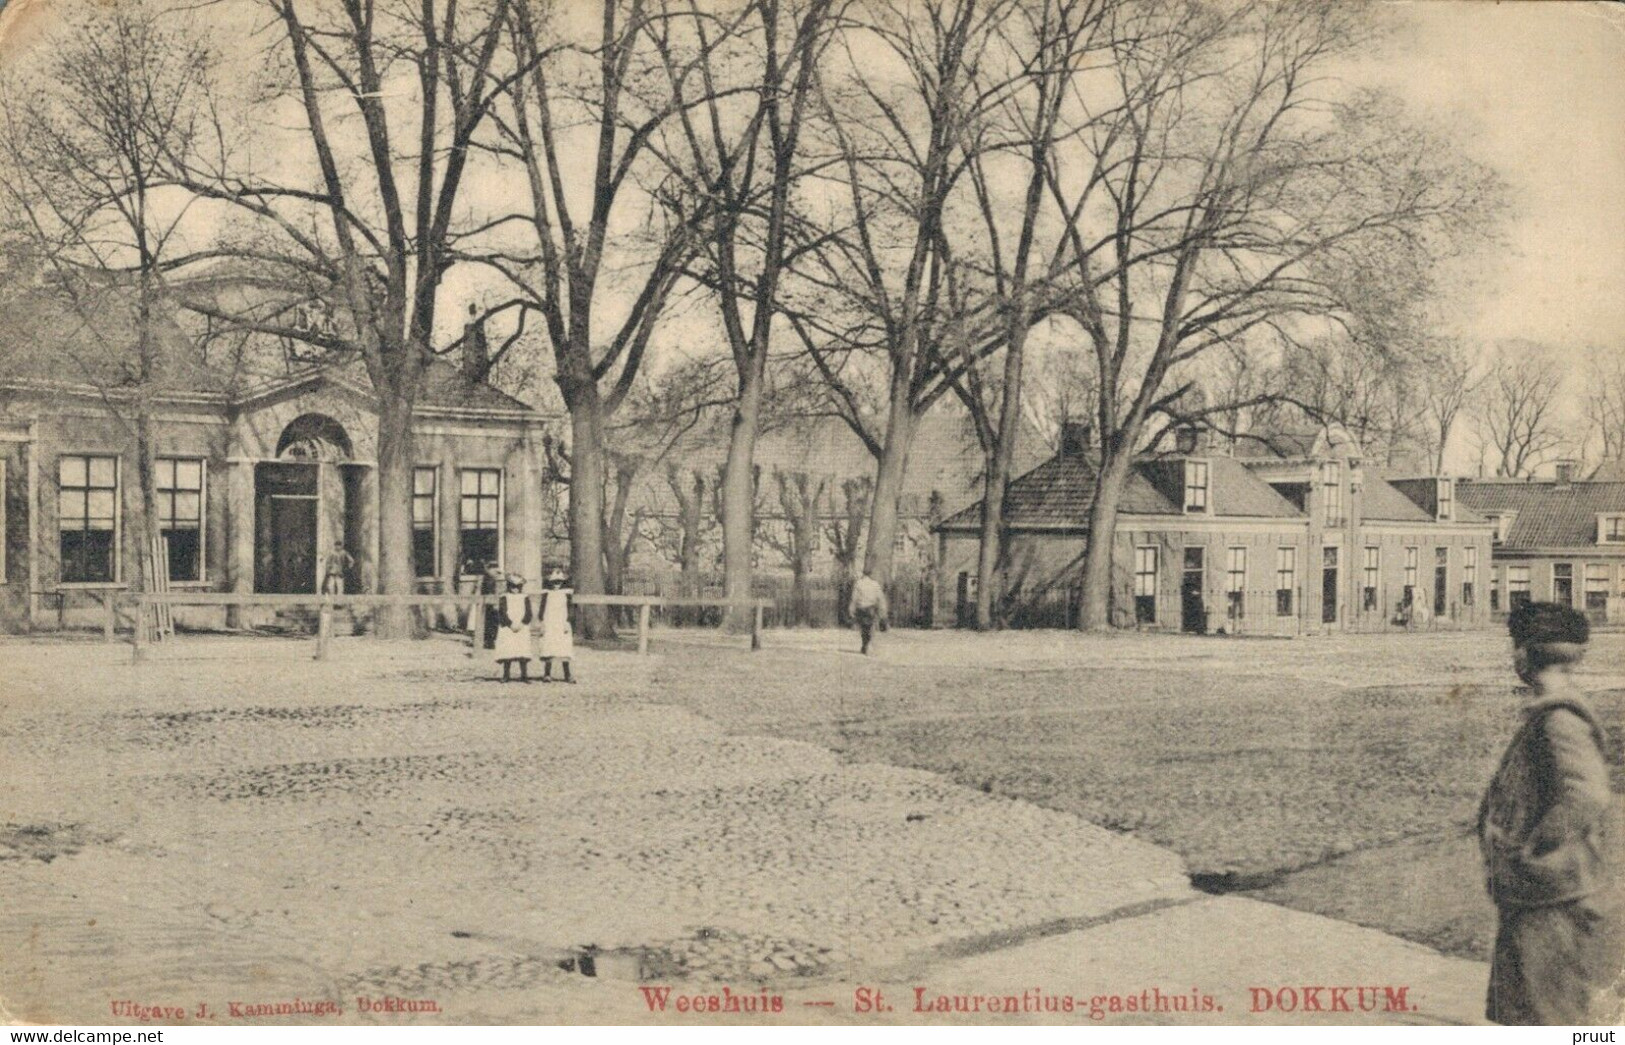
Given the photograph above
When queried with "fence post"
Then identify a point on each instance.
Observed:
(756, 629)
(138, 634)
(109, 609)
(643, 628)
(324, 629)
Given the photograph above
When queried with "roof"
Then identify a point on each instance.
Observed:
(45, 341)
(1548, 515)
(1059, 492)
(1329, 440)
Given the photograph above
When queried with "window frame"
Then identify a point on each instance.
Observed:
(1519, 585)
(501, 498)
(1286, 569)
(1145, 612)
(1413, 571)
(1445, 499)
(1198, 492)
(1601, 572)
(1371, 576)
(116, 552)
(1469, 574)
(1611, 528)
(1331, 491)
(1235, 582)
(202, 491)
(434, 520)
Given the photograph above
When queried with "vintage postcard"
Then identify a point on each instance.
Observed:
(837, 512)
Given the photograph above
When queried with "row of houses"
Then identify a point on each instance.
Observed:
(266, 482)
(1294, 533)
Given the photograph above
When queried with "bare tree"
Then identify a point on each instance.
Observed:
(1448, 376)
(801, 500)
(1516, 415)
(372, 242)
(845, 532)
(85, 147)
(1605, 404)
(873, 306)
(1234, 192)
(746, 161)
(605, 100)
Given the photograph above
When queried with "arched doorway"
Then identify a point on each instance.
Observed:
(302, 508)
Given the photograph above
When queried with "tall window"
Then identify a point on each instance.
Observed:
(1286, 580)
(1596, 590)
(1469, 573)
(1413, 558)
(1611, 529)
(1145, 585)
(88, 517)
(179, 484)
(1495, 588)
(1331, 484)
(1196, 486)
(1563, 583)
(1517, 586)
(1373, 572)
(1447, 495)
(1235, 582)
(424, 488)
(480, 513)
(1441, 580)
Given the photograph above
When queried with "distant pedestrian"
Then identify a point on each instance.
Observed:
(1548, 831)
(337, 565)
(491, 584)
(557, 639)
(867, 608)
(512, 645)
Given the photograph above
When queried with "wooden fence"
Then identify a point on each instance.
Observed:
(146, 603)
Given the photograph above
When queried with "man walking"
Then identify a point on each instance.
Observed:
(867, 607)
(1547, 831)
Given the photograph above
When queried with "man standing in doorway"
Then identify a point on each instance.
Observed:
(868, 607)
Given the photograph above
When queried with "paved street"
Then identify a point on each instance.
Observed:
(232, 823)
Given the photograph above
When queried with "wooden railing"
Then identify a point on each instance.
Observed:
(324, 605)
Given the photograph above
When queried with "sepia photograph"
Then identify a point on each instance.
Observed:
(834, 513)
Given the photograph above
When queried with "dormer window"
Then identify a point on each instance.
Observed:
(1196, 486)
(1446, 499)
(1331, 484)
(1611, 529)
(1502, 521)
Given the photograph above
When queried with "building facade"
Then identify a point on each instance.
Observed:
(269, 488)
(1558, 540)
(1275, 537)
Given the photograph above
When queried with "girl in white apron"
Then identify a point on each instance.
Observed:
(557, 641)
(513, 630)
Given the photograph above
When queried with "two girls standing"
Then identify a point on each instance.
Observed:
(513, 642)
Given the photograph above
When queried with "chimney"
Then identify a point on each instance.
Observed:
(476, 351)
(1564, 470)
(1076, 437)
(1186, 439)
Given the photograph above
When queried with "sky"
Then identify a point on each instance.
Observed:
(1537, 91)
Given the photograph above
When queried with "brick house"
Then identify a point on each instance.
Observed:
(262, 480)
(1279, 535)
(1557, 540)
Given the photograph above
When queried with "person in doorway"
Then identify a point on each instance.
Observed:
(867, 608)
(337, 565)
(512, 645)
(557, 640)
(1549, 832)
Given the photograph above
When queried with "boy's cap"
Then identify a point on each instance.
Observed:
(1548, 623)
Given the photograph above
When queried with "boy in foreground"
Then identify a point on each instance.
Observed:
(1545, 829)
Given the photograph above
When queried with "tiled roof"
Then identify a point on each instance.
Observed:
(1060, 491)
(1548, 516)
(43, 341)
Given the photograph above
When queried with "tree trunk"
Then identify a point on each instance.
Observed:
(149, 532)
(989, 548)
(888, 493)
(587, 507)
(1095, 612)
(739, 495)
(395, 573)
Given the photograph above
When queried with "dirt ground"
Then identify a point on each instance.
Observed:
(233, 824)
(1336, 775)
